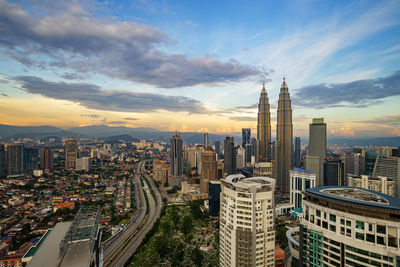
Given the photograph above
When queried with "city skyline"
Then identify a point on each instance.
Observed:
(340, 59)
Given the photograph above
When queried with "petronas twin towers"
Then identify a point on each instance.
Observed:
(284, 136)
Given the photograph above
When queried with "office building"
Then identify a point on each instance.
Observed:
(300, 180)
(218, 149)
(84, 164)
(15, 160)
(229, 155)
(176, 161)
(379, 184)
(209, 168)
(334, 172)
(46, 160)
(71, 154)
(31, 159)
(284, 136)
(264, 169)
(254, 150)
(246, 136)
(3, 169)
(205, 140)
(214, 190)
(296, 154)
(264, 127)
(346, 226)
(247, 234)
(317, 148)
(72, 244)
(247, 157)
(390, 168)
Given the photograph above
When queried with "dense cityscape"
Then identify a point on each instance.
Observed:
(199, 133)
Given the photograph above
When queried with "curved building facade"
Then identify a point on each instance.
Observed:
(348, 226)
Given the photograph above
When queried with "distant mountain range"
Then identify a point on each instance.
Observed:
(115, 133)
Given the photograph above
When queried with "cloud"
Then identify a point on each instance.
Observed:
(5, 95)
(392, 120)
(342, 132)
(243, 118)
(131, 119)
(92, 96)
(72, 39)
(361, 93)
(94, 116)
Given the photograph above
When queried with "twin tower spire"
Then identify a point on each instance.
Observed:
(284, 135)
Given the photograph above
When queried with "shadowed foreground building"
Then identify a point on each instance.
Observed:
(247, 234)
(348, 226)
(71, 154)
(72, 244)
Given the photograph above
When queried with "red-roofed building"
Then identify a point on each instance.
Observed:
(279, 257)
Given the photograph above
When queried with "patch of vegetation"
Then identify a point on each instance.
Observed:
(176, 239)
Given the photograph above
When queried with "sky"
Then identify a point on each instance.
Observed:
(199, 65)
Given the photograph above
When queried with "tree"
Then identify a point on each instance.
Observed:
(195, 208)
(161, 245)
(197, 257)
(187, 225)
(26, 229)
(175, 216)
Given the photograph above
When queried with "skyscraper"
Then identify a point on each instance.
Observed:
(71, 154)
(229, 155)
(15, 160)
(46, 160)
(205, 140)
(209, 168)
(296, 155)
(264, 127)
(247, 234)
(3, 170)
(218, 148)
(317, 140)
(334, 172)
(284, 136)
(176, 159)
(31, 159)
(254, 150)
(246, 135)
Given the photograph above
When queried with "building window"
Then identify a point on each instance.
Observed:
(381, 229)
(348, 223)
(380, 240)
(360, 236)
(370, 238)
(318, 212)
(360, 225)
(325, 225)
(370, 226)
(342, 221)
(332, 218)
(332, 228)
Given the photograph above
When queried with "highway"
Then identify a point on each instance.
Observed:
(118, 250)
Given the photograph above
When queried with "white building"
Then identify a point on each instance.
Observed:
(84, 164)
(380, 184)
(343, 226)
(300, 180)
(247, 234)
(240, 158)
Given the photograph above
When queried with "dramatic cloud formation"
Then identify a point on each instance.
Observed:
(93, 97)
(73, 39)
(361, 93)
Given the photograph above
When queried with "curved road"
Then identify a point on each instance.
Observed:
(124, 249)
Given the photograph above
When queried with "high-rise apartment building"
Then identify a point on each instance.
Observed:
(205, 140)
(209, 168)
(264, 127)
(247, 234)
(176, 156)
(379, 184)
(3, 169)
(71, 154)
(354, 164)
(390, 168)
(229, 155)
(284, 136)
(83, 164)
(246, 136)
(240, 157)
(344, 226)
(296, 154)
(15, 160)
(46, 160)
(317, 148)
